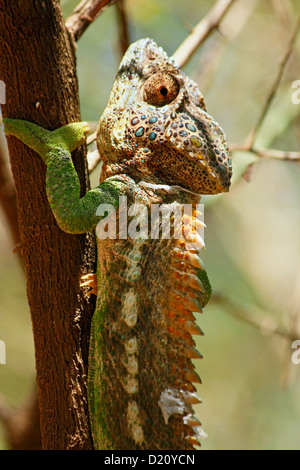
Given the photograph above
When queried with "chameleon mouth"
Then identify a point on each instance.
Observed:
(171, 189)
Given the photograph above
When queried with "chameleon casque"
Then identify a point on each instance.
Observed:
(158, 146)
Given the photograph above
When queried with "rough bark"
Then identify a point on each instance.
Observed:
(37, 64)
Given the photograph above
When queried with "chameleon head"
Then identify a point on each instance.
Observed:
(155, 127)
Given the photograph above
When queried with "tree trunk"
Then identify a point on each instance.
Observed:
(37, 64)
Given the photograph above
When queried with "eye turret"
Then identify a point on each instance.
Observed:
(160, 89)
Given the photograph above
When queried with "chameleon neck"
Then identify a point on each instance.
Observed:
(141, 345)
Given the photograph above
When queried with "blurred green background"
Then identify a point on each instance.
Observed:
(250, 388)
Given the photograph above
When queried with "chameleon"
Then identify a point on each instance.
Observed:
(159, 148)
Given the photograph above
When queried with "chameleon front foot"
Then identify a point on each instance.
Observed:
(42, 141)
(89, 280)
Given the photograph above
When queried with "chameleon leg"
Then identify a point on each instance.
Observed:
(74, 214)
(43, 141)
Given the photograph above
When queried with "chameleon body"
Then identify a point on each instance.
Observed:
(159, 147)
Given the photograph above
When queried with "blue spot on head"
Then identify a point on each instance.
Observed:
(190, 127)
(152, 136)
(139, 132)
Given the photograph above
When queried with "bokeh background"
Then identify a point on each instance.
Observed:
(250, 388)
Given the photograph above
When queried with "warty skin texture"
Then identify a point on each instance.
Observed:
(155, 126)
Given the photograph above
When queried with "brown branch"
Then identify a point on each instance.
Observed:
(93, 158)
(44, 69)
(91, 138)
(22, 424)
(284, 12)
(200, 33)
(268, 153)
(93, 161)
(271, 95)
(84, 14)
(266, 326)
(124, 39)
(248, 146)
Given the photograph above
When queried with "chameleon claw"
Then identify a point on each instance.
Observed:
(89, 280)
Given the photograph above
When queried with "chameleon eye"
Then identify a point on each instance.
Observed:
(160, 89)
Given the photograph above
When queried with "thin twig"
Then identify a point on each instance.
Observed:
(84, 14)
(203, 29)
(267, 325)
(274, 88)
(91, 138)
(93, 157)
(122, 17)
(267, 153)
(284, 12)
(94, 160)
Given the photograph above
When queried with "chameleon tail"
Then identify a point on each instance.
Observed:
(43, 141)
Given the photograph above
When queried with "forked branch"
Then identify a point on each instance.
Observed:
(272, 93)
(249, 145)
(262, 322)
(122, 17)
(200, 33)
(84, 14)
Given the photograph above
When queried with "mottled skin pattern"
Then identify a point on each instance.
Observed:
(155, 131)
(157, 128)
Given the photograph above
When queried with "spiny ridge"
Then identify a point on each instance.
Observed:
(185, 300)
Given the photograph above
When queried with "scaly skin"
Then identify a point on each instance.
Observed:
(154, 131)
